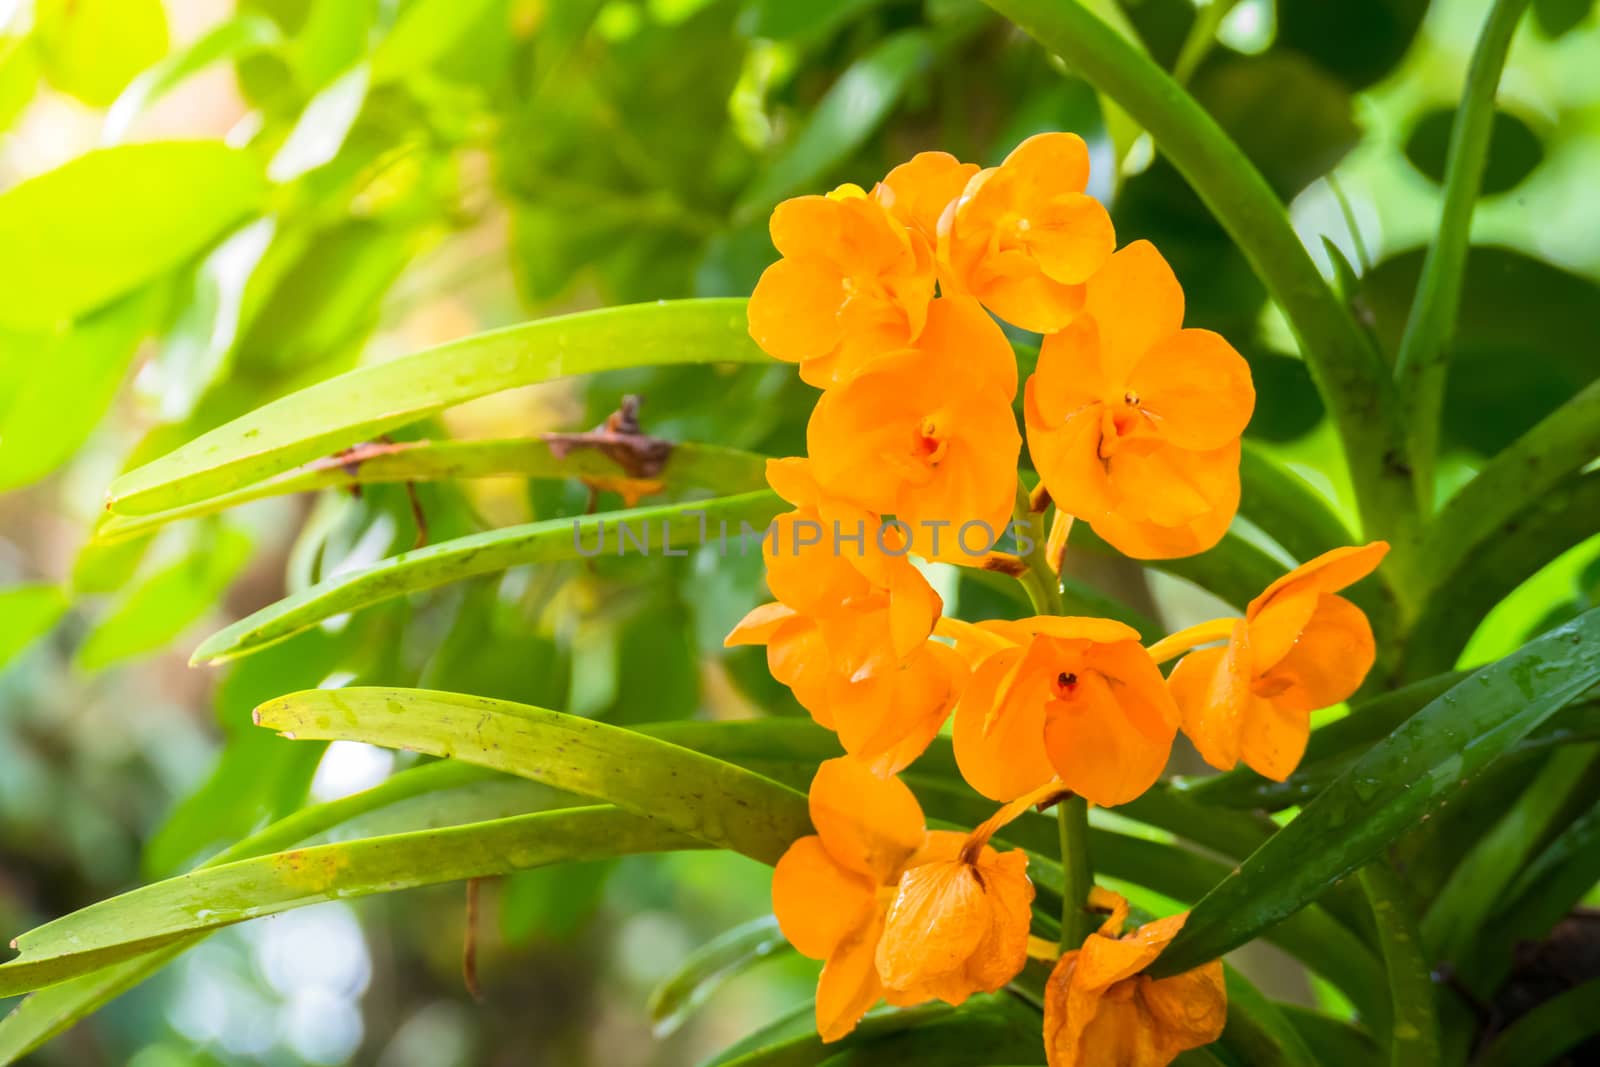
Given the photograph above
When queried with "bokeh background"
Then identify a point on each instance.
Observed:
(544, 156)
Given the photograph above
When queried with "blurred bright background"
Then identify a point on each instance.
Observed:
(562, 154)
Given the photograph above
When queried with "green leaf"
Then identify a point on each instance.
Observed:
(790, 1026)
(1257, 1031)
(1548, 526)
(784, 20)
(425, 30)
(852, 109)
(987, 1029)
(168, 603)
(676, 787)
(113, 219)
(1387, 792)
(1329, 752)
(1359, 40)
(1552, 1028)
(59, 385)
(369, 401)
(239, 36)
(329, 38)
(1508, 369)
(157, 915)
(1292, 146)
(1286, 507)
(196, 349)
(19, 75)
(93, 48)
(323, 126)
(1414, 1028)
(26, 612)
(676, 998)
(1556, 18)
(1332, 1040)
(1561, 444)
(1544, 892)
(1459, 914)
(690, 466)
(674, 525)
(1514, 149)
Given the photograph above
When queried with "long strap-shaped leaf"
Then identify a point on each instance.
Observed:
(1558, 446)
(690, 466)
(175, 909)
(1547, 1031)
(1558, 520)
(1391, 788)
(987, 1029)
(1414, 1032)
(363, 403)
(695, 794)
(670, 529)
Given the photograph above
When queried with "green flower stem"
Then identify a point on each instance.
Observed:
(1072, 816)
(1044, 590)
(1423, 360)
(1042, 583)
(1202, 36)
(1349, 372)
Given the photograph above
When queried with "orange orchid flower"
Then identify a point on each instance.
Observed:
(918, 191)
(1134, 421)
(1077, 698)
(926, 434)
(827, 554)
(844, 671)
(1023, 237)
(853, 283)
(895, 911)
(1298, 648)
(1099, 1011)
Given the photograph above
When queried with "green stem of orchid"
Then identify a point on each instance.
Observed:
(1042, 584)
(1072, 814)
(1422, 364)
(1077, 876)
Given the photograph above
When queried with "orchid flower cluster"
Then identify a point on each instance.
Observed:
(887, 301)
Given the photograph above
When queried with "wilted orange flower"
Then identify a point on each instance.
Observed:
(958, 922)
(853, 283)
(1134, 421)
(828, 554)
(897, 912)
(828, 889)
(918, 191)
(1099, 1011)
(1023, 237)
(1076, 698)
(843, 669)
(926, 434)
(1299, 647)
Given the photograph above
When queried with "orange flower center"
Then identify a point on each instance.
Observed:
(1066, 685)
(930, 444)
